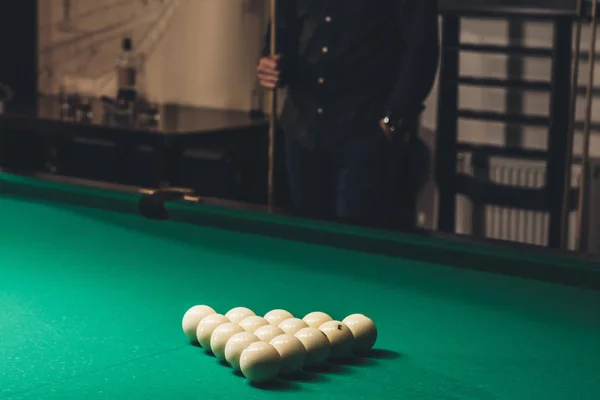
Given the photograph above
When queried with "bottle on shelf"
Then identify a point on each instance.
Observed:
(127, 71)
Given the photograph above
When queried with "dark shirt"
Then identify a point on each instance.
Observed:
(349, 63)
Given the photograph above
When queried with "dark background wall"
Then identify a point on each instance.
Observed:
(18, 51)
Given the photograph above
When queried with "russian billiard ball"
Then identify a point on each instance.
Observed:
(268, 332)
(340, 337)
(292, 352)
(207, 326)
(236, 345)
(220, 337)
(316, 344)
(316, 318)
(260, 362)
(292, 325)
(364, 331)
(192, 318)
(277, 316)
(252, 323)
(237, 314)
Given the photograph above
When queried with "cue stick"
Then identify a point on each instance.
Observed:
(564, 217)
(273, 105)
(586, 128)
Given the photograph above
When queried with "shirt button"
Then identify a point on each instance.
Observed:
(325, 50)
(320, 110)
(328, 19)
(321, 80)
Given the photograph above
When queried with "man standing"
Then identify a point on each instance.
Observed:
(357, 73)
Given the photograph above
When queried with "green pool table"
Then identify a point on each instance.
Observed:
(92, 295)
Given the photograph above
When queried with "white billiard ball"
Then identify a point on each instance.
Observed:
(316, 344)
(192, 318)
(316, 319)
(260, 362)
(364, 331)
(292, 325)
(252, 323)
(221, 336)
(207, 326)
(268, 332)
(275, 317)
(340, 337)
(237, 314)
(236, 345)
(292, 352)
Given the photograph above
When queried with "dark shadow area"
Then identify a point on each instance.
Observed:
(381, 354)
(19, 43)
(277, 385)
(223, 363)
(330, 368)
(305, 377)
(354, 362)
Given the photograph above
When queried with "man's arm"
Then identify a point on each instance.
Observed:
(419, 63)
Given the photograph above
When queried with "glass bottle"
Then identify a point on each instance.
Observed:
(127, 73)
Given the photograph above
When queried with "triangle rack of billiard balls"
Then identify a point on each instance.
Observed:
(278, 343)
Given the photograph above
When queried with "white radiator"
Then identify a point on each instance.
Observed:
(510, 224)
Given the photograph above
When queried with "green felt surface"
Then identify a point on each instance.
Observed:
(91, 303)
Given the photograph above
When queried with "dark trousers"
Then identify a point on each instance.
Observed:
(361, 180)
